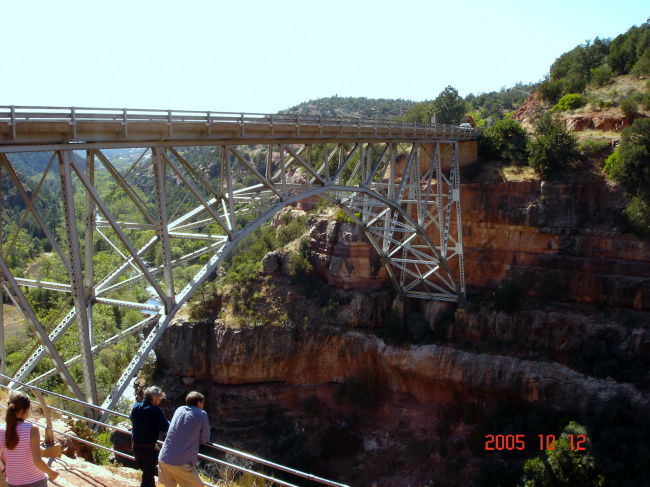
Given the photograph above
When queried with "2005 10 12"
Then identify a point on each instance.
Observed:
(518, 442)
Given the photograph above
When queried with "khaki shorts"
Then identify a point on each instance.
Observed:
(183, 475)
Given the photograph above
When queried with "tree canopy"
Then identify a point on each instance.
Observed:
(449, 107)
(553, 147)
(632, 166)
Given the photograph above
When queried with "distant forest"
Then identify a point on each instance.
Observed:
(495, 104)
(362, 107)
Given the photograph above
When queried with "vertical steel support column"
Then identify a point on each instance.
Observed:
(161, 226)
(231, 197)
(366, 167)
(422, 216)
(88, 240)
(269, 163)
(459, 221)
(391, 196)
(283, 172)
(439, 179)
(78, 295)
(416, 182)
(326, 162)
(341, 162)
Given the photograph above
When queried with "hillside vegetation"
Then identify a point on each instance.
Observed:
(362, 107)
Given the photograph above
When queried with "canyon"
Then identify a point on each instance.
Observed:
(578, 344)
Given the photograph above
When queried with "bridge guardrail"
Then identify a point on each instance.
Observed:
(49, 430)
(12, 115)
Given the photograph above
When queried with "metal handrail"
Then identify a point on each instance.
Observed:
(12, 115)
(207, 458)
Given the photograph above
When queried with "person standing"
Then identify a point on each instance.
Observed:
(20, 444)
(148, 421)
(189, 428)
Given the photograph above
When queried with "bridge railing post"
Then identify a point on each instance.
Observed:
(73, 118)
(51, 450)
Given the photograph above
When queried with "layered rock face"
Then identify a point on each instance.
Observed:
(342, 253)
(559, 240)
(302, 358)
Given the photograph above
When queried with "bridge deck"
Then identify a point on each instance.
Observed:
(21, 127)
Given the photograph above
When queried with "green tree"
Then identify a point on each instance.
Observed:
(630, 107)
(553, 147)
(449, 107)
(566, 464)
(506, 140)
(420, 113)
(631, 169)
(550, 90)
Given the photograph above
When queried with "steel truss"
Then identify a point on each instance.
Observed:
(397, 191)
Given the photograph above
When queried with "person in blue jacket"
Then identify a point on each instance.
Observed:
(148, 422)
(189, 428)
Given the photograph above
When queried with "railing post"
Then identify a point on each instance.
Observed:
(13, 122)
(51, 450)
(74, 122)
(125, 122)
(209, 124)
(169, 121)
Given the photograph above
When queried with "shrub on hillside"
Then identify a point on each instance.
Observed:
(553, 147)
(569, 102)
(630, 107)
(632, 167)
(645, 101)
(602, 75)
(611, 161)
(291, 231)
(592, 147)
(550, 91)
(299, 266)
(637, 217)
(564, 464)
(505, 140)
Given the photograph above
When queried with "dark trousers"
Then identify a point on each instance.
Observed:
(147, 459)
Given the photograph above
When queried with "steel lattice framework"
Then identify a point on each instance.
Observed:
(399, 182)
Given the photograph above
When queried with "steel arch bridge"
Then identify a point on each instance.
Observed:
(398, 181)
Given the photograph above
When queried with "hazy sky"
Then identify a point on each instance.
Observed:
(264, 56)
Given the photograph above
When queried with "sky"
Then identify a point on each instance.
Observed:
(261, 56)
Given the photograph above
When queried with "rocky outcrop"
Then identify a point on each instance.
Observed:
(559, 333)
(557, 239)
(300, 358)
(342, 253)
(607, 122)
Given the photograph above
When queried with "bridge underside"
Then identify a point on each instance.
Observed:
(159, 222)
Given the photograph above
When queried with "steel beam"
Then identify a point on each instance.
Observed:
(76, 277)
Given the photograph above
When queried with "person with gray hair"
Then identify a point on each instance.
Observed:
(148, 422)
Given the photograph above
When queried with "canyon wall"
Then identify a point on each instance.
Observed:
(299, 358)
(561, 241)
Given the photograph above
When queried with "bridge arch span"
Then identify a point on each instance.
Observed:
(182, 202)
